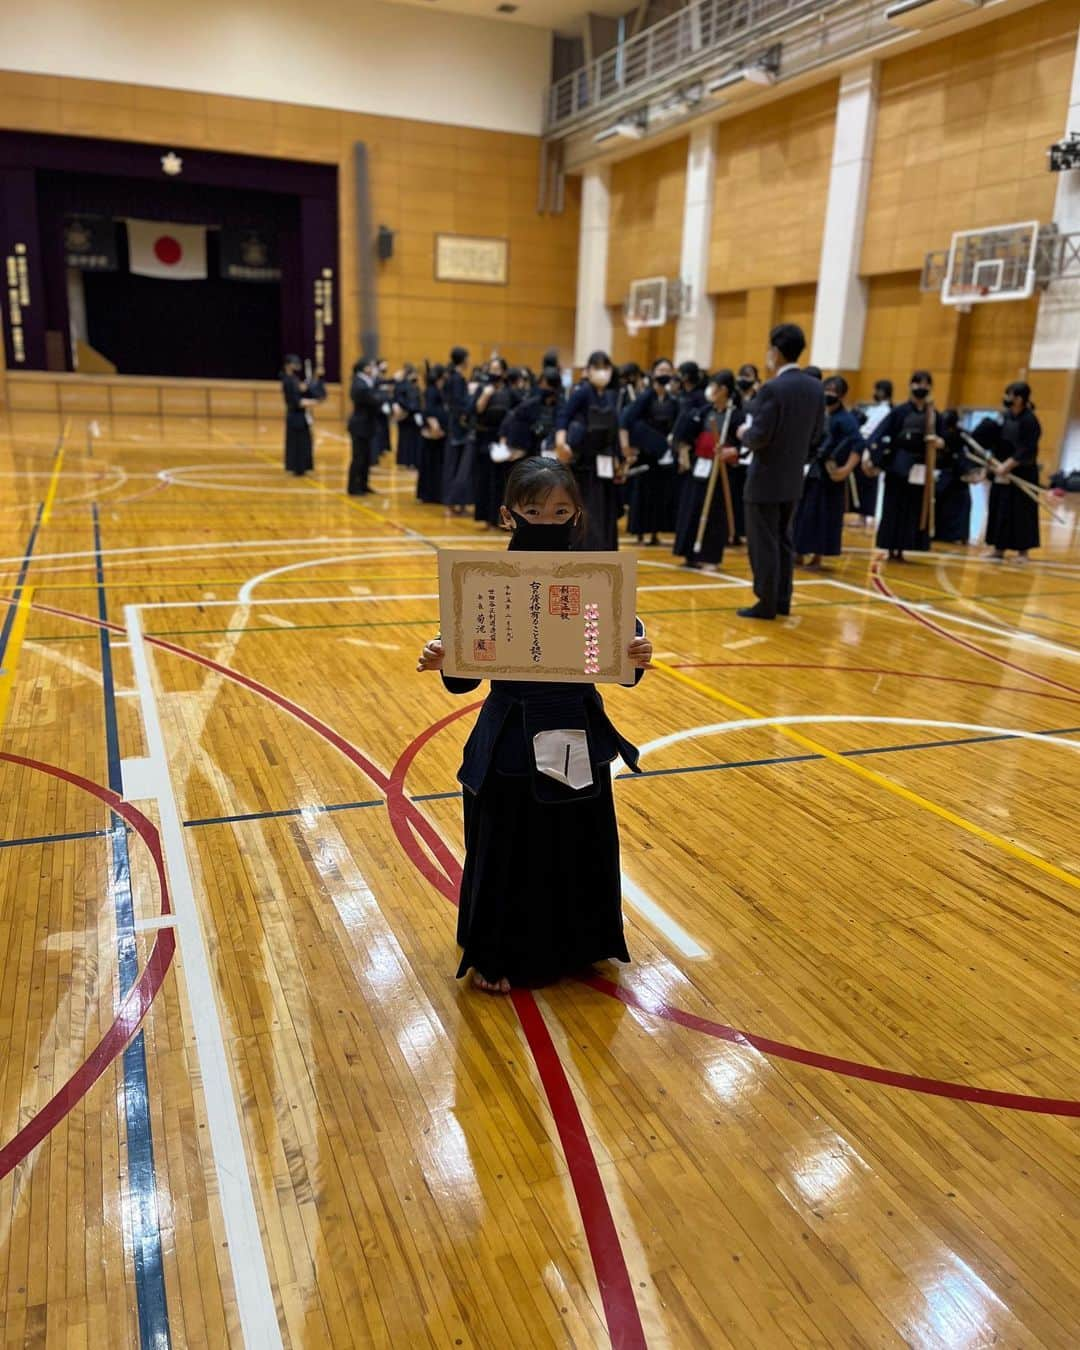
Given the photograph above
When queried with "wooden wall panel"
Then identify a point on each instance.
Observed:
(795, 304)
(648, 346)
(962, 131)
(772, 182)
(907, 330)
(731, 343)
(892, 327)
(995, 350)
(425, 178)
(648, 196)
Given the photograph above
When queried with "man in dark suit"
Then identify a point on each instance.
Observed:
(362, 425)
(787, 419)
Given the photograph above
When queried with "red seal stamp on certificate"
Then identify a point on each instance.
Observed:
(483, 649)
(564, 601)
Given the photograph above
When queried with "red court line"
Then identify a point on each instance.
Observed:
(934, 1087)
(137, 1001)
(613, 1278)
(624, 1323)
(875, 574)
(609, 1263)
(777, 1049)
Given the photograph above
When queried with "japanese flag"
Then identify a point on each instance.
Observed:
(158, 249)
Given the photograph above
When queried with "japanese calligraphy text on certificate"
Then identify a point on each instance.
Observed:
(538, 616)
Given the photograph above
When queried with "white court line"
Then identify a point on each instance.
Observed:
(224, 545)
(982, 560)
(223, 551)
(922, 607)
(661, 920)
(822, 719)
(245, 593)
(279, 600)
(247, 1256)
(381, 646)
(725, 584)
(62, 658)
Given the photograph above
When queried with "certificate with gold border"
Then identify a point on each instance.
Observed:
(560, 617)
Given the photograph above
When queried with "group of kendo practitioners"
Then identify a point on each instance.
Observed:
(642, 444)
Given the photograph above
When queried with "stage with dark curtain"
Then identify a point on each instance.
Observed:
(212, 328)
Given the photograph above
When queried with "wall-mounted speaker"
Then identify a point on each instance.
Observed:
(384, 243)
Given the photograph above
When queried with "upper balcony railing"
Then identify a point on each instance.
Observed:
(696, 40)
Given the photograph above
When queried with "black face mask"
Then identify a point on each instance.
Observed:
(920, 391)
(529, 537)
(1007, 404)
(744, 384)
(662, 380)
(832, 400)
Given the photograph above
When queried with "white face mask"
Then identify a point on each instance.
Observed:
(600, 378)
(711, 392)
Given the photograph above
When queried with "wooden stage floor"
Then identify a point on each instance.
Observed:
(834, 1101)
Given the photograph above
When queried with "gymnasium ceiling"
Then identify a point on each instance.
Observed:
(565, 16)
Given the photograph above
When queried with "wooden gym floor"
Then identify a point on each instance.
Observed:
(835, 1100)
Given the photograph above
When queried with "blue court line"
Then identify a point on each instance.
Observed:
(275, 815)
(143, 1214)
(54, 838)
(294, 811)
(847, 754)
(9, 617)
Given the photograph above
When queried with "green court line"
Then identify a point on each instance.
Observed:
(433, 620)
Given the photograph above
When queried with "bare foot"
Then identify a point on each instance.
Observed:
(498, 987)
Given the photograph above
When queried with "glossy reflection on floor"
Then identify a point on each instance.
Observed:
(833, 1101)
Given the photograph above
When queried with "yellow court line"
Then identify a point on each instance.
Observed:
(879, 780)
(54, 481)
(11, 655)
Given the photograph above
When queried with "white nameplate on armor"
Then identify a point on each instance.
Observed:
(917, 475)
(702, 468)
(564, 756)
(605, 466)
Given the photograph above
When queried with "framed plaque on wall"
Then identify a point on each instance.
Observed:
(464, 257)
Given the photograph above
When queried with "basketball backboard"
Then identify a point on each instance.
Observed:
(995, 263)
(646, 306)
